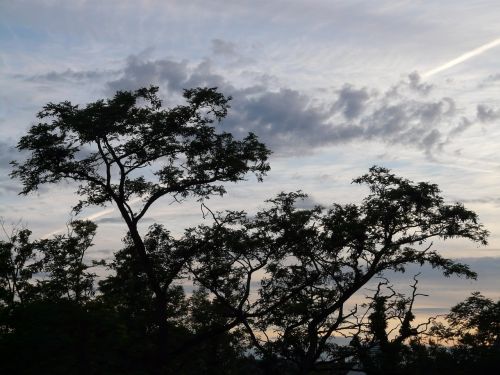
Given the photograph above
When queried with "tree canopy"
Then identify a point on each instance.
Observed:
(313, 261)
(130, 148)
(263, 293)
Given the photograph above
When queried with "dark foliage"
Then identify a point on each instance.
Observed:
(129, 148)
(271, 291)
(312, 261)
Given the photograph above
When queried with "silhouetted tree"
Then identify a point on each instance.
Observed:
(385, 327)
(66, 273)
(473, 322)
(278, 284)
(18, 263)
(127, 289)
(473, 326)
(312, 261)
(49, 315)
(129, 148)
(221, 353)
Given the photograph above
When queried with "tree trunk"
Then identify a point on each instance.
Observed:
(160, 300)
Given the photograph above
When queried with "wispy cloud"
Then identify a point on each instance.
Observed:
(69, 75)
(462, 58)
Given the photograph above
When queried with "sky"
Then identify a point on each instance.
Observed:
(332, 87)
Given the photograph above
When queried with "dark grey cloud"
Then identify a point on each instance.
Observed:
(409, 121)
(351, 101)
(289, 122)
(138, 73)
(443, 292)
(284, 119)
(486, 268)
(486, 114)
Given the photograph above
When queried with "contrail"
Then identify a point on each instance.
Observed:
(460, 59)
(92, 217)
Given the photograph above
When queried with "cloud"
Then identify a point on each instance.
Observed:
(7, 153)
(485, 200)
(417, 85)
(486, 114)
(402, 119)
(307, 203)
(223, 48)
(109, 220)
(138, 73)
(70, 75)
(230, 53)
(293, 122)
(119, 220)
(486, 268)
(351, 101)
(445, 292)
(461, 126)
(284, 119)
(9, 187)
(493, 77)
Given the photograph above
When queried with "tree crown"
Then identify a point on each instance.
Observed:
(129, 146)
